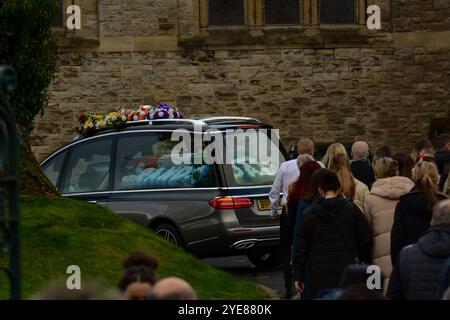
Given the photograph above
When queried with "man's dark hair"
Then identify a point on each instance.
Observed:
(382, 152)
(139, 274)
(329, 181)
(442, 140)
(139, 258)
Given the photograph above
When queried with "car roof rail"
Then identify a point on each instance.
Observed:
(167, 121)
(218, 119)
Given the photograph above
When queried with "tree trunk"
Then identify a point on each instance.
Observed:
(32, 179)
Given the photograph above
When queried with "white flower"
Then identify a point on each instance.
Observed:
(160, 114)
(123, 118)
(135, 118)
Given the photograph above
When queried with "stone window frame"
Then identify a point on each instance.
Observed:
(254, 15)
(66, 4)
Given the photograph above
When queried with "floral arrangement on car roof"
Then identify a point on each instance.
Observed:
(88, 124)
(147, 112)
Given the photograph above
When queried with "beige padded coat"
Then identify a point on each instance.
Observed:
(379, 209)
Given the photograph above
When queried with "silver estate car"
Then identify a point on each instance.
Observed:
(211, 210)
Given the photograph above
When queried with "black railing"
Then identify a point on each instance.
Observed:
(9, 183)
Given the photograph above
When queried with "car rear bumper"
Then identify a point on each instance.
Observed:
(236, 242)
(247, 244)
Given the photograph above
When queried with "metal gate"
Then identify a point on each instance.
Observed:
(9, 183)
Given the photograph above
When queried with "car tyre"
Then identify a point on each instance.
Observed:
(265, 259)
(169, 233)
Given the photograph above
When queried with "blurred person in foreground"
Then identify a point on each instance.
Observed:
(136, 283)
(58, 290)
(418, 269)
(139, 275)
(173, 289)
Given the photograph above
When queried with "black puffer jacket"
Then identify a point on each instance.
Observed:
(319, 241)
(412, 218)
(418, 271)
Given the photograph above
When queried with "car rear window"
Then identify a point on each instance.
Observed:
(247, 169)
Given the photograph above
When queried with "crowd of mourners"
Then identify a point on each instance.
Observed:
(340, 217)
(345, 213)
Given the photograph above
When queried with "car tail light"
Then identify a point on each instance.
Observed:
(249, 127)
(231, 203)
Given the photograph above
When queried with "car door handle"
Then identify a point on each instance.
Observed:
(93, 201)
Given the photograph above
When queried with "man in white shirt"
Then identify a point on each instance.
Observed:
(287, 173)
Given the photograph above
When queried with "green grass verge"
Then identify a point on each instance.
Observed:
(58, 233)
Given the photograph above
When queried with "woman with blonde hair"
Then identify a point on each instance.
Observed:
(351, 187)
(413, 212)
(379, 210)
(333, 149)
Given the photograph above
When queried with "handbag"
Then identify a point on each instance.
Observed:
(355, 258)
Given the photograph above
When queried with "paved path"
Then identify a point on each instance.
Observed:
(241, 267)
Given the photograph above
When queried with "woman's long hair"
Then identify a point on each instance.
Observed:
(405, 164)
(313, 186)
(340, 164)
(426, 178)
(333, 149)
(300, 186)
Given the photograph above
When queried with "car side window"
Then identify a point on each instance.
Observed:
(144, 162)
(88, 167)
(52, 169)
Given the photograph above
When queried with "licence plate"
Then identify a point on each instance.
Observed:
(263, 204)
